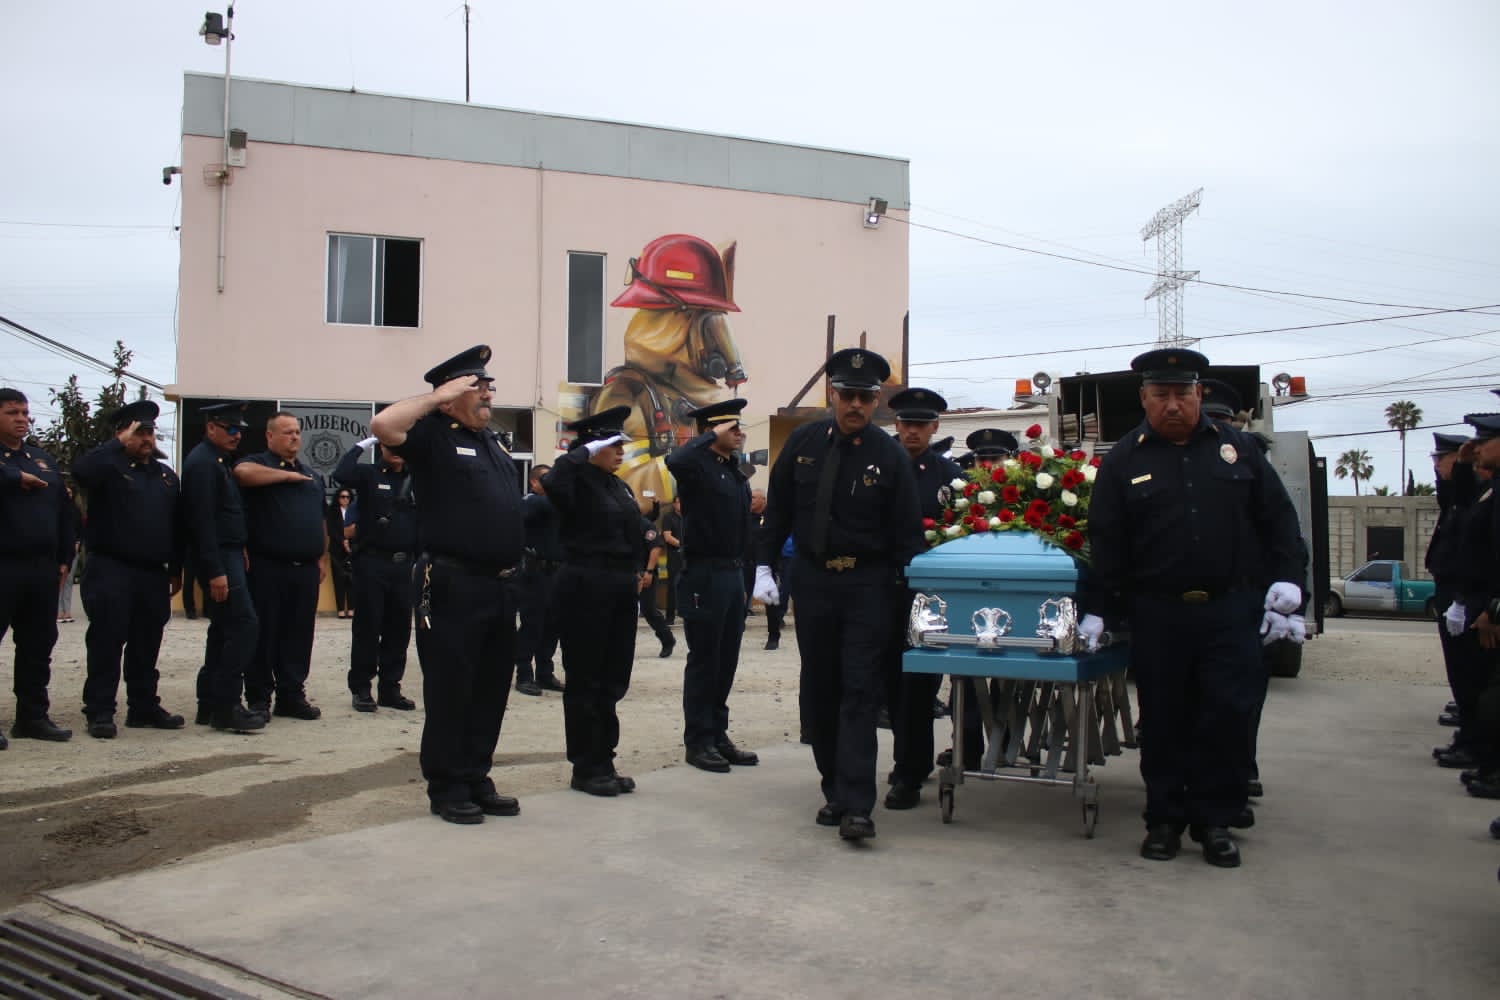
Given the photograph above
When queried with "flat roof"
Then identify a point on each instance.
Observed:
(291, 114)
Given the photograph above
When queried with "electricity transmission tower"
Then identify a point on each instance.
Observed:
(1166, 226)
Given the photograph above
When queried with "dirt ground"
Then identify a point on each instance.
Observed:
(88, 809)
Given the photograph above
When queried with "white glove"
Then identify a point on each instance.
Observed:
(1455, 618)
(765, 587)
(1297, 629)
(1284, 598)
(1090, 630)
(1275, 626)
(595, 447)
(367, 442)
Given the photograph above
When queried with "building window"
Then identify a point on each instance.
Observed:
(585, 318)
(374, 280)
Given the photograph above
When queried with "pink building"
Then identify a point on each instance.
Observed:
(366, 237)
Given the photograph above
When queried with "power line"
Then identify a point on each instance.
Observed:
(1217, 336)
(1388, 430)
(1428, 310)
(77, 225)
(72, 353)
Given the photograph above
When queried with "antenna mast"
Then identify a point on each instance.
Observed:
(1166, 226)
(466, 53)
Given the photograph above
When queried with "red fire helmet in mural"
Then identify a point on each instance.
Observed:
(677, 272)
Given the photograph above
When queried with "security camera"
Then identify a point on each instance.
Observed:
(167, 172)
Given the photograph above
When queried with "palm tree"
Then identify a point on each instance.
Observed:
(1355, 463)
(1403, 415)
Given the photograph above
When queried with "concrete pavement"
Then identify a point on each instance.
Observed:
(1369, 874)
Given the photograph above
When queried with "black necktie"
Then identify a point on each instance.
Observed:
(823, 502)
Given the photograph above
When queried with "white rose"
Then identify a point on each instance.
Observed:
(959, 483)
(1069, 498)
(985, 497)
(1089, 472)
(930, 535)
(961, 504)
(995, 522)
(1011, 465)
(1044, 481)
(953, 530)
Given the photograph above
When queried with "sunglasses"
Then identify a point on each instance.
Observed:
(231, 431)
(857, 395)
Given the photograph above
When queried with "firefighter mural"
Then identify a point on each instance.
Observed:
(679, 352)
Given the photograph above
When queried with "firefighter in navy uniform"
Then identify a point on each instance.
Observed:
(36, 550)
(136, 536)
(1196, 544)
(468, 491)
(847, 490)
(711, 590)
(1458, 488)
(911, 696)
(1476, 611)
(385, 546)
(216, 529)
(604, 549)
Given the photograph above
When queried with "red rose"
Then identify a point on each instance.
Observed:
(928, 523)
(1034, 431)
(949, 517)
(1077, 456)
(1033, 519)
(1057, 453)
(1064, 521)
(1074, 540)
(985, 463)
(977, 511)
(1071, 478)
(1038, 507)
(1094, 461)
(1007, 516)
(971, 489)
(1011, 494)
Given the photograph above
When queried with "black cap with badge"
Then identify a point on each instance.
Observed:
(225, 414)
(990, 442)
(599, 426)
(144, 410)
(1447, 444)
(857, 368)
(917, 406)
(724, 411)
(1486, 425)
(470, 363)
(1169, 364)
(1220, 400)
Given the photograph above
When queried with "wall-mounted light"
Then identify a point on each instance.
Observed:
(167, 172)
(875, 211)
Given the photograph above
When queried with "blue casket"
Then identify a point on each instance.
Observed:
(1001, 604)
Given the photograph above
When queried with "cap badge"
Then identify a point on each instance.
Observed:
(1228, 454)
(484, 354)
(857, 361)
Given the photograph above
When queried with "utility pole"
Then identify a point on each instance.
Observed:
(1166, 226)
(466, 53)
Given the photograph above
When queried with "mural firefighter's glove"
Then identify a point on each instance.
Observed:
(1296, 628)
(1090, 630)
(367, 442)
(1454, 619)
(1283, 598)
(1275, 626)
(595, 447)
(765, 587)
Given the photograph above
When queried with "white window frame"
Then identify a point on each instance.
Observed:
(421, 277)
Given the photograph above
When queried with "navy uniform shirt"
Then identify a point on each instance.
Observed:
(1445, 555)
(597, 512)
(933, 472)
(387, 509)
(1477, 581)
(468, 491)
(715, 500)
(285, 520)
(135, 511)
(875, 513)
(39, 522)
(540, 518)
(1210, 514)
(215, 513)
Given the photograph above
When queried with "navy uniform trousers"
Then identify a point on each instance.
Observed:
(1467, 666)
(28, 605)
(466, 669)
(1199, 675)
(843, 631)
(232, 635)
(909, 698)
(536, 639)
(597, 631)
(128, 606)
(711, 601)
(286, 602)
(382, 621)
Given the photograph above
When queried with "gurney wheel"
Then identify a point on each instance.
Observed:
(945, 802)
(1090, 818)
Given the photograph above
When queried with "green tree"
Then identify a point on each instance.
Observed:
(1422, 490)
(1354, 463)
(79, 425)
(1402, 416)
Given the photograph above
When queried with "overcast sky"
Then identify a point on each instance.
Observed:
(1346, 149)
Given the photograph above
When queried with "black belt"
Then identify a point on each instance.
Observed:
(713, 562)
(283, 560)
(385, 555)
(543, 565)
(473, 568)
(159, 567)
(624, 564)
(838, 564)
(1196, 595)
